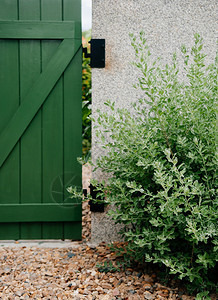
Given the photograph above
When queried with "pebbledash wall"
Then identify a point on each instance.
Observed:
(168, 24)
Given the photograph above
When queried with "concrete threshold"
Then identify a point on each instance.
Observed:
(40, 243)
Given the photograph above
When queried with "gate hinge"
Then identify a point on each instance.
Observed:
(97, 53)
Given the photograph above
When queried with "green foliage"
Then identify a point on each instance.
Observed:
(107, 266)
(203, 296)
(162, 160)
(86, 99)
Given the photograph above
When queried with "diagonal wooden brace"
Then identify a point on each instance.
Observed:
(37, 96)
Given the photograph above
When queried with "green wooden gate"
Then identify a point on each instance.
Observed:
(40, 118)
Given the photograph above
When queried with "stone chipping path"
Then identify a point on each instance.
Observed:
(67, 270)
(71, 273)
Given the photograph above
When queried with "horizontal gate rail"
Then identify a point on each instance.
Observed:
(39, 30)
(40, 212)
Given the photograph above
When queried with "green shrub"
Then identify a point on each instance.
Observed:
(86, 99)
(162, 162)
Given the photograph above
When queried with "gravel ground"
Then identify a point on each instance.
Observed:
(70, 272)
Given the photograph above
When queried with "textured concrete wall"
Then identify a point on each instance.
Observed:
(168, 24)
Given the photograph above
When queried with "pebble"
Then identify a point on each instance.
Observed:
(116, 292)
(148, 295)
(106, 297)
(147, 286)
(106, 286)
(71, 254)
(147, 278)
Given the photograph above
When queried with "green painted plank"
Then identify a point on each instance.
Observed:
(72, 133)
(73, 118)
(9, 102)
(30, 150)
(29, 9)
(52, 137)
(73, 230)
(36, 96)
(52, 230)
(9, 98)
(72, 10)
(9, 231)
(51, 10)
(39, 30)
(30, 231)
(8, 10)
(40, 212)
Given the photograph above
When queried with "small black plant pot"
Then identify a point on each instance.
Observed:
(96, 206)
